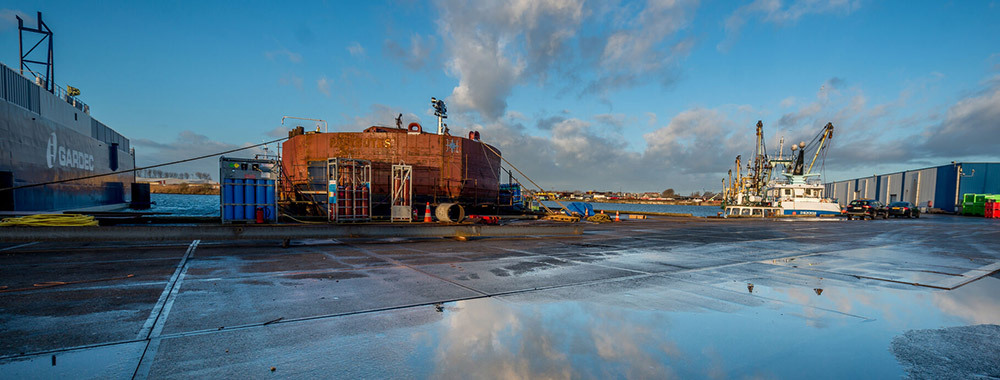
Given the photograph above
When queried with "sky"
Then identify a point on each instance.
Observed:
(580, 95)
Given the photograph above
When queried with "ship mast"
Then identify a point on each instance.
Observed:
(48, 76)
(441, 111)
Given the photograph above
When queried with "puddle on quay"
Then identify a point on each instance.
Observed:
(117, 361)
(819, 331)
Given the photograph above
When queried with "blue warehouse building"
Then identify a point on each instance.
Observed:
(938, 187)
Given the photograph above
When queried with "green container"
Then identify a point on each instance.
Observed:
(975, 204)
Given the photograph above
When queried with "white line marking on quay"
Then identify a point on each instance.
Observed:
(413, 268)
(158, 317)
(18, 246)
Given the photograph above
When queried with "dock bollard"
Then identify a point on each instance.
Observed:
(427, 213)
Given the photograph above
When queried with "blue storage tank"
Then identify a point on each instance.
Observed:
(227, 200)
(238, 200)
(248, 199)
(248, 185)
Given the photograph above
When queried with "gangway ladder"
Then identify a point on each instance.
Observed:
(402, 193)
(349, 190)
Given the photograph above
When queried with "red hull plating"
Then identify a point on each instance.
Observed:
(445, 168)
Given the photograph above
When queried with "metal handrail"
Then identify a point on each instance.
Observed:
(326, 128)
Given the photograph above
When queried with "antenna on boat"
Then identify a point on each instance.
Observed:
(49, 75)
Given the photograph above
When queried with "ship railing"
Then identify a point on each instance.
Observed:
(18, 89)
(24, 91)
(63, 94)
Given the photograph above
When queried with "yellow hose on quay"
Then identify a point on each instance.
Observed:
(68, 220)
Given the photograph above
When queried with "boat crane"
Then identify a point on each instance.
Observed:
(793, 194)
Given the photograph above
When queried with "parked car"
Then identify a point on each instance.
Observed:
(901, 209)
(866, 208)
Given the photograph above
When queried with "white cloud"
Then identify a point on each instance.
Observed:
(615, 120)
(188, 144)
(378, 115)
(788, 102)
(651, 119)
(874, 136)
(969, 127)
(494, 46)
(687, 154)
(292, 80)
(323, 84)
(696, 147)
(643, 46)
(416, 55)
(290, 55)
(8, 18)
(781, 13)
(356, 50)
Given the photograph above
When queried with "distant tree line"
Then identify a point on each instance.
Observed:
(156, 173)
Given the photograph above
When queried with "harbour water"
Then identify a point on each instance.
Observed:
(683, 209)
(208, 205)
(185, 204)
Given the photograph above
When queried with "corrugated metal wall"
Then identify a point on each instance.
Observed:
(944, 192)
(980, 178)
(893, 189)
(923, 183)
(934, 186)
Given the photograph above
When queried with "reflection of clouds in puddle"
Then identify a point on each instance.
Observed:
(716, 368)
(494, 339)
(560, 338)
(812, 315)
(902, 308)
(977, 302)
(617, 338)
(476, 341)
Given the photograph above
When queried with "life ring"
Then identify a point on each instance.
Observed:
(415, 127)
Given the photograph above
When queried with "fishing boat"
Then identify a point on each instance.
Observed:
(798, 191)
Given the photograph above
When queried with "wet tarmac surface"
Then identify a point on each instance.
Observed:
(655, 298)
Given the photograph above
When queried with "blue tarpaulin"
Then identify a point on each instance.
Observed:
(582, 208)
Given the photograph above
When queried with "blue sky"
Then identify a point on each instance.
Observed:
(597, 95)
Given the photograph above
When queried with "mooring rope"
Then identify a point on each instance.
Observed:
(525, 177)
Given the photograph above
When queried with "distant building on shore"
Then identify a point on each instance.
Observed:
(176, 181)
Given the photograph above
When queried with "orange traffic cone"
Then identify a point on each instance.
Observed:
(427, 213)
(602, 211)
(617, 218)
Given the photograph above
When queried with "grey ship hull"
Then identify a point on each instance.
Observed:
(43, 138)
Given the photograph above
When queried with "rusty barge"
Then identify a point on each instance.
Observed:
(385, 172)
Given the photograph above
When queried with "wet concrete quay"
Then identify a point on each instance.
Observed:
(654, 298)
